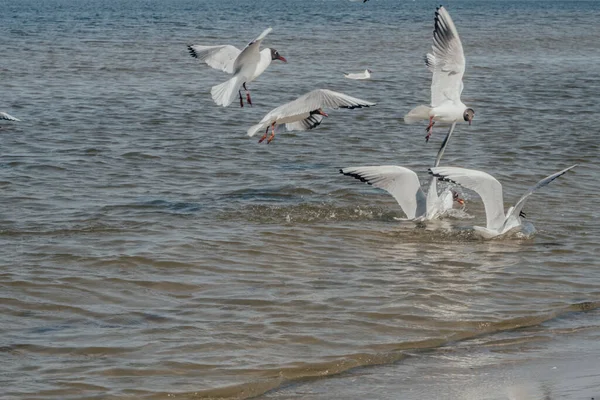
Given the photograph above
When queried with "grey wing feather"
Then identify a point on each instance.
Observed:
(218, 57)
(447, 60)
(306, 124)
(7, 117)
(516, 210)
(402, 183)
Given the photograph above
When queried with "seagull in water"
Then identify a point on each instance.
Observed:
(447, 62)
(7, 117)
(362, 75)
(304, 113)
(245, 65)
(490, 191)
(403, 184)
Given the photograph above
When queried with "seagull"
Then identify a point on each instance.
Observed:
(403, 184)
(447, 62)
(304, 113)
(7, 117)
(245, 65)
(490, 191)
(363, 75)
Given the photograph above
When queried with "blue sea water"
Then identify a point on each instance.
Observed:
(150, 249)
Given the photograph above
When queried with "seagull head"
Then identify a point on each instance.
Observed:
(468, 115)
(276, 56)
(320, 112)
(369, 71)
(457, 199)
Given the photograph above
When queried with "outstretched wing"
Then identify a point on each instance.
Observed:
(320, 98)
(446, 61)
(7, 117)
(516, 210)
(400, 182)
(217, 57)
(485, 185)
(251, 53)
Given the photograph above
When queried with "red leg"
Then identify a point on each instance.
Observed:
(429, 129)
(272, 133)
(264, 136)
(248, 99)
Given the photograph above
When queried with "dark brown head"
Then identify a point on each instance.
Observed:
(457, 199)
(468, 115)
(276, 56)
(320, 112)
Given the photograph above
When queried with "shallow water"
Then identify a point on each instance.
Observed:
(148, 247)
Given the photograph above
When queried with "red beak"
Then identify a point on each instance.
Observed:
(282, 58)
(470, 122)
(461, 202)
(323, 113)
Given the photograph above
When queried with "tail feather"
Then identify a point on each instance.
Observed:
(225, 93)
(418, 113)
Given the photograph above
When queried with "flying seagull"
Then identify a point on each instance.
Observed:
(245, 65)
(447, 62)
(304, 113)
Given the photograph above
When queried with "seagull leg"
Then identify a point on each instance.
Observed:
(264, 136)
(241, 100)
(429, 129)
(272, 133)
(248, 99)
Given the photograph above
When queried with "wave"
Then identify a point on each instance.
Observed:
(270, 379)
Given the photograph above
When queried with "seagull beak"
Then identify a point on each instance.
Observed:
(460, 201)
(323, 113)
(470, 120)
(282, 58)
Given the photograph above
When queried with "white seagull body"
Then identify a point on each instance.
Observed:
(362, 75)
(490, 191)
(304, 113)
(447, 63)
(245, 65)
(7, 117)
(403, 184)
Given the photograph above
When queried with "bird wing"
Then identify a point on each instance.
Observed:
(312, 121)
(8, 117)
(319, 98)
(251, 53)
(263, 64)
(400, 182)
(516, 210)
(447, 60)
(485, 185)
(217, 57)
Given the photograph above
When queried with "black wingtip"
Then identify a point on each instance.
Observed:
(522, 214)
(356, 176)
(192, 51)
(441, 177)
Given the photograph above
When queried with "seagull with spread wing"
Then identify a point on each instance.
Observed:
(245, 65)
(490, 191)
(403, 184)
(447, 62)
(304, 113)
